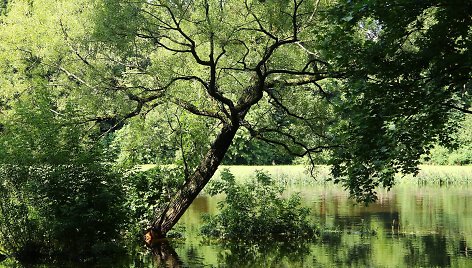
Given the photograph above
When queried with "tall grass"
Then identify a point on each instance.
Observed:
(439, 175)
(300, 175)
(289, 174)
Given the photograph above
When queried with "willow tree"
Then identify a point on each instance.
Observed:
(374, 82)
(217, 60)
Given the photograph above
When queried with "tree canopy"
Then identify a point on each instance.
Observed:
(408, 69)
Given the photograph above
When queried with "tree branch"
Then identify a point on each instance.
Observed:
(462, 109)
(195, 110)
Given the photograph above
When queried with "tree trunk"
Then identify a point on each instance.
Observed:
(193, 186)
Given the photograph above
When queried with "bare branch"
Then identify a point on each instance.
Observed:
(279, 104)
(261, 27)
(182, 149)
(294, 18)
(195, 110)
(305, 149)
(66, 38)
(75, 77)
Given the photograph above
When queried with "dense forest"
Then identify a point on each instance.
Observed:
(91, 89)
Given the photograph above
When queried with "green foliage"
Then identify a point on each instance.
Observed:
(256, 210)
(147, 192)
(375, 82)
(3, 7)
(64, 211)
(248, 151)
(117, 22)
(34, 132)
(407, 66)
(164, 136)
(82, 206)
(460, 152)
(143, 141)
(15, 220)
(58, 200)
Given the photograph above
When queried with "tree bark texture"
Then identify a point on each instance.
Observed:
(192, 186)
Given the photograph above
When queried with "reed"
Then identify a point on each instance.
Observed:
(300, 175)
(439, 175)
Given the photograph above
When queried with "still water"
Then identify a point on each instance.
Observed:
(410, 226)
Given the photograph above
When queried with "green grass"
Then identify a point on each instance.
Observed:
(440, 175)
(291, 174)
(299, 174)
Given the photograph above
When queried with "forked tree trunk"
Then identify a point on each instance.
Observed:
(192, 187)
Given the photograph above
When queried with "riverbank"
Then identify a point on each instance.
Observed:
(300, 174)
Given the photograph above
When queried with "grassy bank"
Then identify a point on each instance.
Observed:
(291, 174)
(299, 174)
(441, 175)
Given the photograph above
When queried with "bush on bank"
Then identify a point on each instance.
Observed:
(256, 209)
(70, 212)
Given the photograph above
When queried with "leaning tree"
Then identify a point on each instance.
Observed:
(234, 64)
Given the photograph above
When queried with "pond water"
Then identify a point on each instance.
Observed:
(410, 226)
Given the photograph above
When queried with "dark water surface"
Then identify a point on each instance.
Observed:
(410, 226)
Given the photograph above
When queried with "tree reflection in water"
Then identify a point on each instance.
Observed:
(264, 253)
(165, 255)
(414, 226)
(427, 251)
(237, 254)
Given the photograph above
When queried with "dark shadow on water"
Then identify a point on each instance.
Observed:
(388, 219)
(427, 251)
(464, 249)
(359, 255)
(194, 257)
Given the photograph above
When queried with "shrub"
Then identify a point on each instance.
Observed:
(256, 210)
(63, 211)
(148, 190)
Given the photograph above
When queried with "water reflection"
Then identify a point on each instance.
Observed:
(408, 227)
(428, 251)
(263, 254)
(359, 255)
(165, 255)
